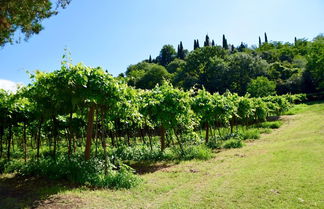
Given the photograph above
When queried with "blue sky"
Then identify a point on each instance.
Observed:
(114, 34)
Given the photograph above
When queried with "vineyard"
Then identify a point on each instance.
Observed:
(181, 104)
(84, 125)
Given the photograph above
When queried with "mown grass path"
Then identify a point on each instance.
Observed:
(284, 169)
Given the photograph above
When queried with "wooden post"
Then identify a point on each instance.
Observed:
(162, 132)
(89, 132)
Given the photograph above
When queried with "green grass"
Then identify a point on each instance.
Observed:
(251, 133)
(296, 109)
(270, 124)
(283, 169)
(232, 143)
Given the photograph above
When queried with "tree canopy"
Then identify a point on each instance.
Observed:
(261, 87)
(293, 67)
(26, 16)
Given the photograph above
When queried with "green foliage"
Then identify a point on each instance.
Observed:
(167, 54)
(250, 133)
(215, 142)
(154, 74)
(270, 124)
(244, 67)
(296, 109)
(146, 75)
(143, 153)
(25, 15)
(217, 75)
(196, 61)
(232, 143)
(76, 170)
(60, 109)
(138, 153)
(3, 163)
(176, 66)
(261, 87)
(199, 152)
(292, 68)
(315, 64)
(169, 107)
(265, 130)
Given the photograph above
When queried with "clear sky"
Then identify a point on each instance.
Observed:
(114, 34)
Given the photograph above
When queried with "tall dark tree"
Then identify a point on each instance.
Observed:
(207, 41)
(150, 59)
(232, 48)
(196, 44)
(213, 43)
(225, 45)
(180, 52)
(260, 43)
(265, 38)
(295, 41)
(242, 47)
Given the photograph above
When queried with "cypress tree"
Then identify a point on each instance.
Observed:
(213, 43)
(207, 42)
(197, 43)
(241, 47)
(260, 43)
(225, 45)
(180, 53)
(265, 38)
(295, 41)
(150, 59)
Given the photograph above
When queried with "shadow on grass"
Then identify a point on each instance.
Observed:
(145, 167)
(21, 192)
(315, 102)
(273, 118)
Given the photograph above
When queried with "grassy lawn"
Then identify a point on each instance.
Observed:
(283, 169)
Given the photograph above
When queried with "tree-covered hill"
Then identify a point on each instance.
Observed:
(293, 67)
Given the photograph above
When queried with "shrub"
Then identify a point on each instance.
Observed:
(124, 178)
(2, 165)
(270, 124)
(214, 143)
(199, 152)
(250, 134)
(235, 135)
(77, 171)
(144, 153)
(12, 166)
(265, 130)
(137, 153)
(232, 143)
